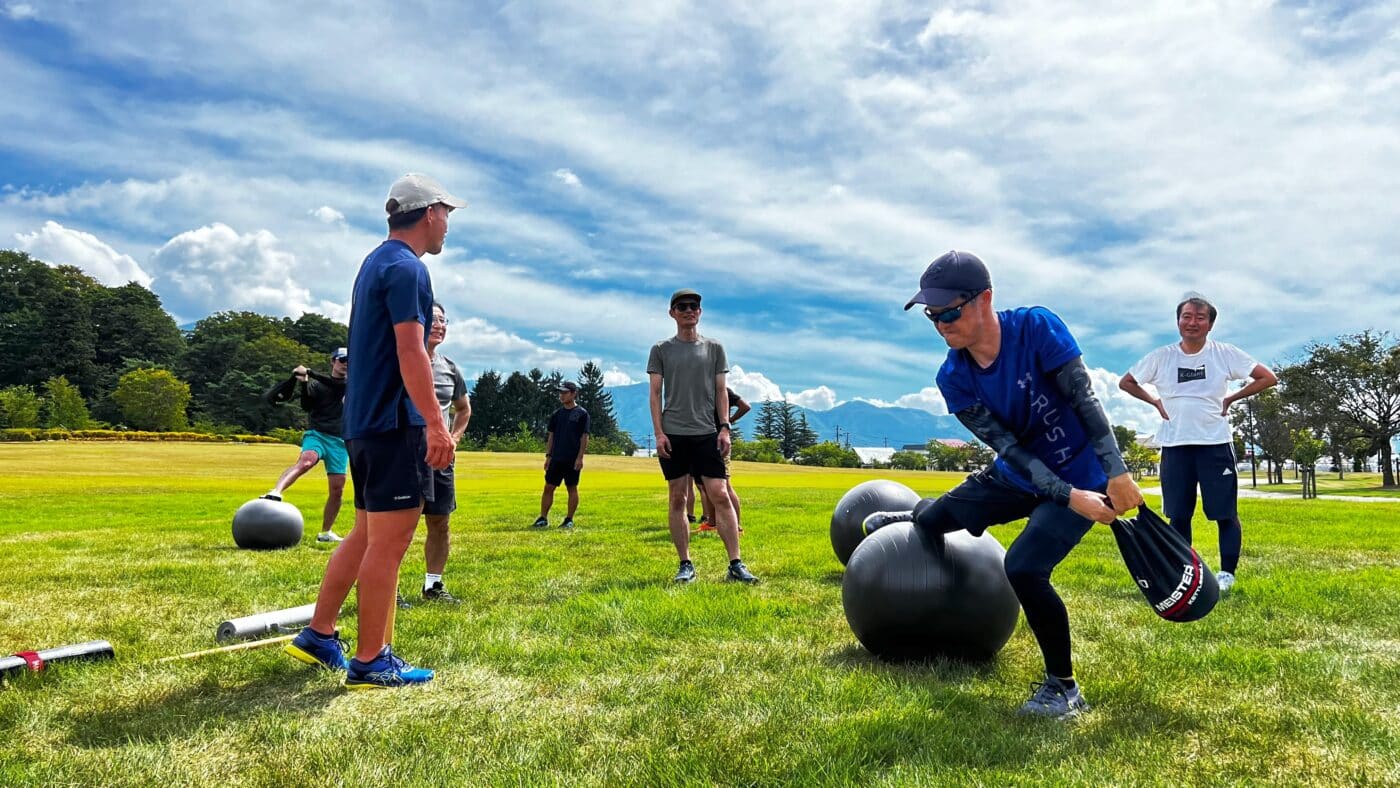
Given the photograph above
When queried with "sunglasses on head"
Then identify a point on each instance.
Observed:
(951, 314)
(687, 306)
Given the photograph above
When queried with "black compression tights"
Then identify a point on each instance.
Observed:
(1029, 562)
(1230, 539)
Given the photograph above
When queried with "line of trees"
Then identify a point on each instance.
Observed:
(512, 414)
(77, 354)
(1341, 401)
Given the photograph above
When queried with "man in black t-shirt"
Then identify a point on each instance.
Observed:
(563, 454)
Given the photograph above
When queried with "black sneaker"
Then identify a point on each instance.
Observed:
(686, 573)
(540, 522)
(741, 573)
(439, 594)
(568, 523)
(400, 601)
(272, 496)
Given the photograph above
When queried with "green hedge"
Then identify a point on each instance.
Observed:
(29, 435)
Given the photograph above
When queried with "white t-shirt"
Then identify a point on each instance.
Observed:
(1193, 388)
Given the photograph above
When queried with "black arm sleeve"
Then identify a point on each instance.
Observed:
(282, 392)
(995, 434)
(1072, 379)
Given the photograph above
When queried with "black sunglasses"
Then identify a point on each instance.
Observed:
(686, 306)
(951, 314)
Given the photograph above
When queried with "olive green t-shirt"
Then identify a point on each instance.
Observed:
(688, 371)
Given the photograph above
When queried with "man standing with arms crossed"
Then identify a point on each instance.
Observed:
(690, 416)
(1198, 448)
(1016, 380)
(563, 454)
(394, 433)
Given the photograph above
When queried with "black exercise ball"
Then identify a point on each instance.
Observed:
(263, 524)
(913, 595)
(876, 495)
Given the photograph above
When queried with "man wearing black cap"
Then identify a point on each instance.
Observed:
(323, 399)
(563, 453)
(690, 416)
(1016, 380)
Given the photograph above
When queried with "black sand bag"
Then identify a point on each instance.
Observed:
(1177, 583)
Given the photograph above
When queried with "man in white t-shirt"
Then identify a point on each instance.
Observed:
(1193, 377)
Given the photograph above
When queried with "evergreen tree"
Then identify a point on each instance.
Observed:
(45, 325)
(488, 416)
(598, 402)
(317, 332)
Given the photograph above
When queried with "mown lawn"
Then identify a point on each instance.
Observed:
(1368, 485)
(573, 659)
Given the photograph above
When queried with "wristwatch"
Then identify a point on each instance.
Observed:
(724, 425)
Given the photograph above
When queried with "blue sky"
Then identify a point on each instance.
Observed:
(797, 162)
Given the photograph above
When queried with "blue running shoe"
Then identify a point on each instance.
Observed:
(1054, 699)
(384, 672)
(313, 648)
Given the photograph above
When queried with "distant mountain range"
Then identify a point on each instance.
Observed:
(866, 424)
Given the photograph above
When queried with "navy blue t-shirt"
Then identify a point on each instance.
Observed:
(568, 426)
(392, 287)
(1019, 391)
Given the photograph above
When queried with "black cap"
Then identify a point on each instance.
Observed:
(684, 293)
(952, 276)
(568, 385)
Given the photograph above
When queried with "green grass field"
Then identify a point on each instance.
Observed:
(573, 660)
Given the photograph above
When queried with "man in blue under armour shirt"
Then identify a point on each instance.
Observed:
(1015, 379)
(394, 433)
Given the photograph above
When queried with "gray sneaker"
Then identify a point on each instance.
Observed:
(686, 573)
(568, 523)
(877, 520)
(1052, 699)
(740, 573)
(540, 522)
(1226, 581)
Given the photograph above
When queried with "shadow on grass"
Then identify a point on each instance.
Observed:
(207, 704)
(916, 670)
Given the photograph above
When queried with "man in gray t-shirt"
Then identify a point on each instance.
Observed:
(451, 390)
(690, 416)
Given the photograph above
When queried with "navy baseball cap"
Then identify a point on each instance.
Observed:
(952, 276)
(568, 385)
(340, 354)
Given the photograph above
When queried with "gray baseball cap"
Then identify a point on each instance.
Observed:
(684, 293)
(414, 191)
(952, 276)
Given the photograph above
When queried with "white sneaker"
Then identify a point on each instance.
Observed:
(328, 536)
(1226, 581)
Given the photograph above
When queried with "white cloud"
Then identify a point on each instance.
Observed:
(752, 386)
(328, 215)
(819, 398)
(59, 245)
(557, 337)
(20, 11)
(928, 399)
(616, 377)
(567, 177)
(215, 267)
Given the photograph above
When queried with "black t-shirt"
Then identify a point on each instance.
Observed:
(568, 425)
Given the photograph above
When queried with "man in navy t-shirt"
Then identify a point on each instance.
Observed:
(1016, 380)
(563, 454)
(394, 433)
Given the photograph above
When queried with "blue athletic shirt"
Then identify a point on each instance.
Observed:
(1018, 389)
(392, 287)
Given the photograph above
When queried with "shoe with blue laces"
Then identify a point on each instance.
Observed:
(385, 671)
(313, 648)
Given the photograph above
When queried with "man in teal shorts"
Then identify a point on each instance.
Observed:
(323, 399)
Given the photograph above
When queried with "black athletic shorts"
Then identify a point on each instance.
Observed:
(1212, 467)
(561, 473)
(444, 499)
(697, 455)
(390, 471)
(986, 498)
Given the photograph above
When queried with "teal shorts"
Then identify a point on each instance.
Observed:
(330, 448)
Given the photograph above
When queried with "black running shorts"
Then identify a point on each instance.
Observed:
(697, 455)
(390, 470)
